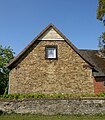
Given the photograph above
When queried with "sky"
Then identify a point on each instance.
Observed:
(22, 20)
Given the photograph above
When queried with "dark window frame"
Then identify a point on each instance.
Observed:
(46, 52)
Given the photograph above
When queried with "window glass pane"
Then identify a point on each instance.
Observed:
(51, 52)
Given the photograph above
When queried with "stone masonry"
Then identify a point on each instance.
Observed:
(54, 106)
(65, 75)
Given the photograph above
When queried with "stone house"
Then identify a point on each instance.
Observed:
(52, 64)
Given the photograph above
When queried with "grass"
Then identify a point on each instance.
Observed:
(56, 117)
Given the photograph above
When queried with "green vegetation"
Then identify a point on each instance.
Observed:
(6, 54)
(56, 117)
(102, 94)
(40, 95)
(101, 10)
(101, 17)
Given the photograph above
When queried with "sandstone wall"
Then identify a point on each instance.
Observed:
(35, 74)
(54, 106)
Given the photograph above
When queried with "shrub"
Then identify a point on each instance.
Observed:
(102, 94)
(54, 95)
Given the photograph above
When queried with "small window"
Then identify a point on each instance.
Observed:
(51, 52)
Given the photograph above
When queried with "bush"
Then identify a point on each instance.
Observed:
(54, 95)
(40, 95)
(102, 94)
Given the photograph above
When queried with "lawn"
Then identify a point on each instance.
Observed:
(57, 117)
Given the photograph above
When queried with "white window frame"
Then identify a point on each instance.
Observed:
(51, 52)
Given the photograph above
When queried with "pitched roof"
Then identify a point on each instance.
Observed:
(93, 56)
(35, 41)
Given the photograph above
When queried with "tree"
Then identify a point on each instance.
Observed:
(101, 17)
(6, 54)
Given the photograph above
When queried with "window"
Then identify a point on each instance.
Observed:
(51, 52)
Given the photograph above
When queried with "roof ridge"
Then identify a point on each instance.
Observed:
(20, 56)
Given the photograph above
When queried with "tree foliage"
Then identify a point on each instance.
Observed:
(101, 44)
(101, 17)
(101, 10)
(6, 54)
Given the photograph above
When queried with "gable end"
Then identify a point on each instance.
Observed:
(43, 36)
